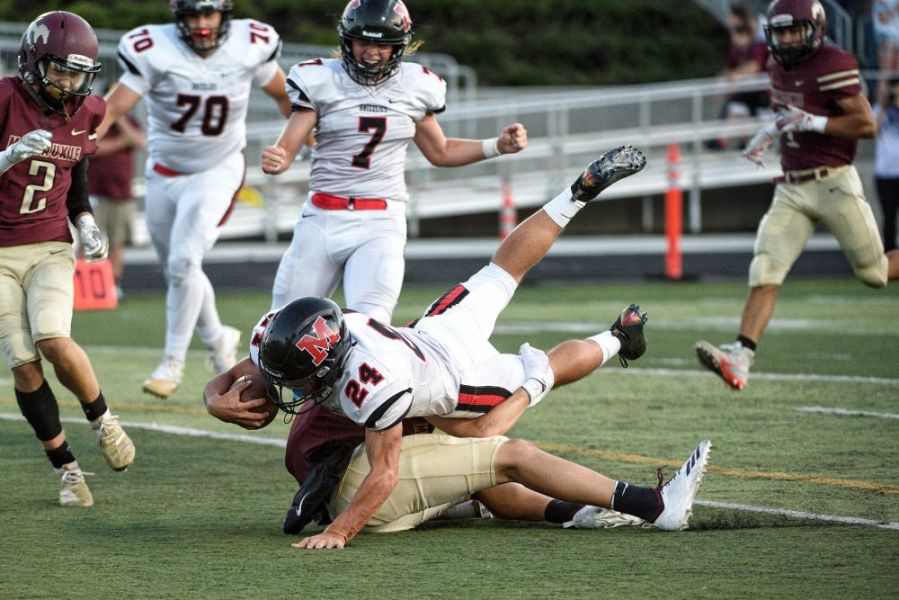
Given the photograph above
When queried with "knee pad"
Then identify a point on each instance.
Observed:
(41, 411)
(874, 275)
(764, 270)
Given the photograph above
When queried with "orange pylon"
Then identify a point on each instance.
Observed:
(674, 215)
(508, 216)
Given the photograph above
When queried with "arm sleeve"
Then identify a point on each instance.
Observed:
(77, 200)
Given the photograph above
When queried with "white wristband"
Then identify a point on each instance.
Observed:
(818, 123)
(536, 391)
(490, 147)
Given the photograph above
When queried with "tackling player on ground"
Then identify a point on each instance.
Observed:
(443, 368)
(49, 128)
(196, 75)
(822, 113)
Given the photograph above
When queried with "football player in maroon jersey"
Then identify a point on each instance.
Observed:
(48, 123)
(822, 113)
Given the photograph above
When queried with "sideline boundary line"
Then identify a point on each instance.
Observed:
(843, 412)
(631, 458)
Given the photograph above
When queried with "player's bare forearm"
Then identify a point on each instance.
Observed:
(499, 420)
(278, 157)
(383, 450)
(119, 101)
(223, 402)
(856, 122)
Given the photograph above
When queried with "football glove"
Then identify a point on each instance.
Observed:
(757, 147)
(795, 119)
(32, 143)
(94, 244)
(538, 374)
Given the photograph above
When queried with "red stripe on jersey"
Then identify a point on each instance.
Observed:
(449, 299)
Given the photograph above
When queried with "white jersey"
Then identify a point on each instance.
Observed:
(363, 131)
(197, 106)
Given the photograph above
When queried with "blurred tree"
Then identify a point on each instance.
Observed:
(536, 42)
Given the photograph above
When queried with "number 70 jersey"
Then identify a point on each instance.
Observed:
(197, 106)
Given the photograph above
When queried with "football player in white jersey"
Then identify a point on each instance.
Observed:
(365, 108)
(443, 368)
(196, 75)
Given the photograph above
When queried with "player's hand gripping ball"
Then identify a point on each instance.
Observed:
(258, 388)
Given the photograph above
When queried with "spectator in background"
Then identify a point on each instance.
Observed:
(885, 15)
(109, 183)
(886, 166)
(746, 56)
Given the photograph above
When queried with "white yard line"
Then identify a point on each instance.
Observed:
(804, 377)
(798, 514)
(251, 439)
(843, 412)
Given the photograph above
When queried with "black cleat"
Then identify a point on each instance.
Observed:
(614, 165)
(628, 328)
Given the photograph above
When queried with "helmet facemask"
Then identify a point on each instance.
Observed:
(382, 22)
(805, 16)
(202, 40)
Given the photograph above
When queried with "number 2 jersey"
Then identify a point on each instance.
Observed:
(197, 106)
(33, 192)
(363, 131)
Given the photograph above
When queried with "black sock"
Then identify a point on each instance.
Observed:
(60, 456)
(559, 511)
(746, 342)
(642, 502)
(95, 409)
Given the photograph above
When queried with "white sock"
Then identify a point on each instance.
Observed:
(562, 209)
(608, 343)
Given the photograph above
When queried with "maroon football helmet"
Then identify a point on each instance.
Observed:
(808, 16)
(58, 61)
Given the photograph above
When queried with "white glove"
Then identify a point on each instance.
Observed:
(539, 377)
(32, 143)
(759, 144)
(93, 243)
(796, 119)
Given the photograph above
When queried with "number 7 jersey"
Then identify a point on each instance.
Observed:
(197, 106)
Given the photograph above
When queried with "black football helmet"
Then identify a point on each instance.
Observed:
(202, 40)
(58, 61)
(304, 348)
(809, 16)
(378, 22)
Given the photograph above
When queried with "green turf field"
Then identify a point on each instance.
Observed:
(816, 431)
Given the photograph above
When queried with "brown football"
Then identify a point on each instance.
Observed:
(258, 389)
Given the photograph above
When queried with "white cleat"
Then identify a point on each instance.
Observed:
(596, 517)
(73, 490)
(223, 353)
(678, 493)
(165, 379)
(730, 361)
(114, 443)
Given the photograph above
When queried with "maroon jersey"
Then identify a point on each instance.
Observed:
(110, 175)
(317, 426)
(815, 85)
(33, 193)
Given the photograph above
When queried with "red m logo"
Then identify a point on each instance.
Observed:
(317, 345)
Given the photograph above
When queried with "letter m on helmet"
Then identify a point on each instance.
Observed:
(317, 343)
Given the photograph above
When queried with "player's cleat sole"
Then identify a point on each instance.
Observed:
(628, 328)
(678, 493)
(614, 165)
